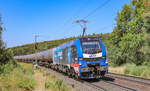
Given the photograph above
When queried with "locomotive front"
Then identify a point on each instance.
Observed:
(92, 63)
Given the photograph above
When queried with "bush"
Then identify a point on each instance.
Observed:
(141, 71)
(47, 84)
(18, 78)
(6, 55)
(145, 63)
(54, 84)
(6, 68)
(146, 73)
(136, 71)
(58, 84)
(128, 68)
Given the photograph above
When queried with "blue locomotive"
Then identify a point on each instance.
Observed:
(83, 58)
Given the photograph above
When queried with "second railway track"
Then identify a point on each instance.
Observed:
(110, 85)
(130, 78)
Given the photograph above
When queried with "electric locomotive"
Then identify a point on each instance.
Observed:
(83, 58)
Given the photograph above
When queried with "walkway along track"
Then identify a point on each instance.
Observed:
(130, 78)
(83, 85)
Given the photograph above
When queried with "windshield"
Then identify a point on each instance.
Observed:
(91, 47)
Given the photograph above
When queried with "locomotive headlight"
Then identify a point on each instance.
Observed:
(80, 63)
(80, 58)
(106, 62)
(103, 57)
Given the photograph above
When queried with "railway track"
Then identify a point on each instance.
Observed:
(80, 85)
(100, 88)
(110, 85)
(139, 80)
(105, 84)
(122, 86)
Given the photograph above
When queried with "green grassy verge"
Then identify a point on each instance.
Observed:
(54, 84)
(141, 71)
(133, 70)
(17, 78)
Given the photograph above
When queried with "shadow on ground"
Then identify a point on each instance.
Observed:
(97, 80)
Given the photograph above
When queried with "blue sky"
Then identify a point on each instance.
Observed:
(52, 19)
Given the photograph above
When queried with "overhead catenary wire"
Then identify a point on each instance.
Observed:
(77, 12)
(106, 27)
(99, 7)
(89, 14)
(75, 15)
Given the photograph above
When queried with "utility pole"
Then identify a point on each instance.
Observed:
(82, 23)
(35, 46)
(35, 40)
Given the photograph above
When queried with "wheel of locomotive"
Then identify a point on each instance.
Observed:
(102, 74)
(72, 73)
(64, 71)
(57, 69)
(69, 73)
(77, 77)
(53, 67)
(61, 68)
(49, 66)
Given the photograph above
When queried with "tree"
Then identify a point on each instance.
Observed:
(122, 26)
(146, 47)
(6, 55)
(0, 32)
(127, 36)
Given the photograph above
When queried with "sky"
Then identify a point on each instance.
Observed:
(52, 19)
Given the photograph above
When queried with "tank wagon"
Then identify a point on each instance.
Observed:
(83, 58)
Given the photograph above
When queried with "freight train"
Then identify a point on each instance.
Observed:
(82, 58)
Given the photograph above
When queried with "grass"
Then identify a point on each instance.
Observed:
(133, 70)
(18, 78)
(54, 84)
(22, 77)
(140, 71)
(119, 69)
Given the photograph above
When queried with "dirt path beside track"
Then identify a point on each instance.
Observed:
(40, 80)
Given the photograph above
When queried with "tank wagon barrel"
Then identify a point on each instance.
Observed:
(41, 56)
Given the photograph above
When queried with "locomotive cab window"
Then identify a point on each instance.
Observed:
(91, 47)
